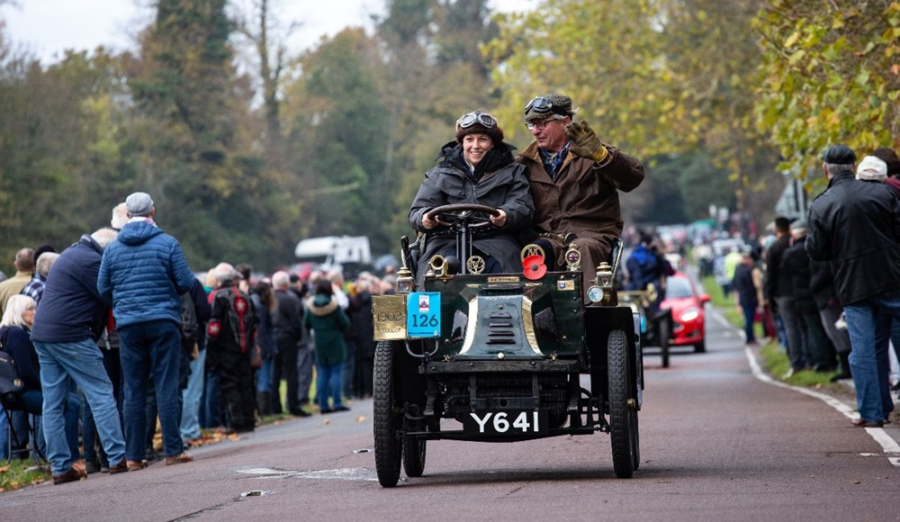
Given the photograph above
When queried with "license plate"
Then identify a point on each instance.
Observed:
(505, 423)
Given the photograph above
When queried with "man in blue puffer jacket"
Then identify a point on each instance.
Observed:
(144, 273)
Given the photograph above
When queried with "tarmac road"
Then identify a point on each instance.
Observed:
(717, 443)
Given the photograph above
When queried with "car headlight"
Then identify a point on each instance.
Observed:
(690, 314)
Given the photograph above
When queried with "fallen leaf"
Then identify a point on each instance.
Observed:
(326, 421)
(857, 482)
(4, 469)
(360, 419)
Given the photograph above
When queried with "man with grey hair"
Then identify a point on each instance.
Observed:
(144, 273)
(287, 322)
(35, 288)
(854, 225)
(575, 182)
(65, 332)
(119, 216)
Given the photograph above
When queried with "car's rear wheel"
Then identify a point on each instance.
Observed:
(622, 412)
(414, 456)
(388, 417)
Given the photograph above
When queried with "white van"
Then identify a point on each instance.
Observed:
(333, 252)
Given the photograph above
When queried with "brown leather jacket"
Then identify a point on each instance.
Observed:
(584, 200)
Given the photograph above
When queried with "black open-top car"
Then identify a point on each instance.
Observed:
(503, 354)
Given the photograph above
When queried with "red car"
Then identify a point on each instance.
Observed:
(688, 315)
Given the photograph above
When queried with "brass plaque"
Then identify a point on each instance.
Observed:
(389, 317)
(503, 279)
(566, 285)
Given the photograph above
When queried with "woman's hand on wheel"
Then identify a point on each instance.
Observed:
(428, 224)
(499, 219)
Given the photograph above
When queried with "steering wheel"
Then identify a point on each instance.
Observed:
(457, 213)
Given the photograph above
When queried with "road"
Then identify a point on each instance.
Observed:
(717, 443)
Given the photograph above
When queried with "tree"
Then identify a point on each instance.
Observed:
(830, 74)
(652, 76)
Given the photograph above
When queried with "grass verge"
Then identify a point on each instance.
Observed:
(774, 359)
(21, 473)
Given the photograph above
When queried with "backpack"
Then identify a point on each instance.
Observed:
(189, 324)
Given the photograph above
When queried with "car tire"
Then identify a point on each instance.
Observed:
(665, 331)
(414, 456)
(388, 417)
(622, 416)
(700, 347)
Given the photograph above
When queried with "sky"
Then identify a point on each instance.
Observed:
(47, 27)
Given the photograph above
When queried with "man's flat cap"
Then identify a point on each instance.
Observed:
(839, 154)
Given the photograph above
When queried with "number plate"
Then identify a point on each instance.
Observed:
(389, 317)
(505, 423)
(423, 314)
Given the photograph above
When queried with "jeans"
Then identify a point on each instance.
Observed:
(793, 329)
(264, 375)
(33, 403)
(869, 325)
(328, 382)
(112, 363)
(190, 404)
(210, 404)
(61, 363)
(749, 310)
(151, 349)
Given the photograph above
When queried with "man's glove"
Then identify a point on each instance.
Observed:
(585, 142)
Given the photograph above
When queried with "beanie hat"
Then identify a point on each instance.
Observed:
(480, 125)
(545, 106)
(872, 169)
(889, 157)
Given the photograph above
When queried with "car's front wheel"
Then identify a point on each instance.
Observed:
(622, 411)
(388, 417)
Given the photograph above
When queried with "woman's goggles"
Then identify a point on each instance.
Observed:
(480, 118)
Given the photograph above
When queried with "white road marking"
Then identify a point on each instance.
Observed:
(327, 474)
(888, 444)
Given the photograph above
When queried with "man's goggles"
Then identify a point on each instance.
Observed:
(543, 104)
(480, 118)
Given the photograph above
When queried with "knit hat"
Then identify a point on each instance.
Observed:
(139, 204)
(889, 157)
(839, 154)
(545, 106)
(798, 226)
(478, 122)
(872, 169)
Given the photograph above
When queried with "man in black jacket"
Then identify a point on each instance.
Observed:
(288, 325)
(778, 292)
(855, 225)
(818, 351)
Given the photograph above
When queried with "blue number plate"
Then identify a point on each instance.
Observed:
(423, 314)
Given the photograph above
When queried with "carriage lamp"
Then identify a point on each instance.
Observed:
(601, 290)
(573, 258)
(405, 282)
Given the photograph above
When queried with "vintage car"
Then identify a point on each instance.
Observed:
(502, 354)
(655, 323)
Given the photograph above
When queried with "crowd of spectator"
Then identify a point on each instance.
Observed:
(117, 340)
